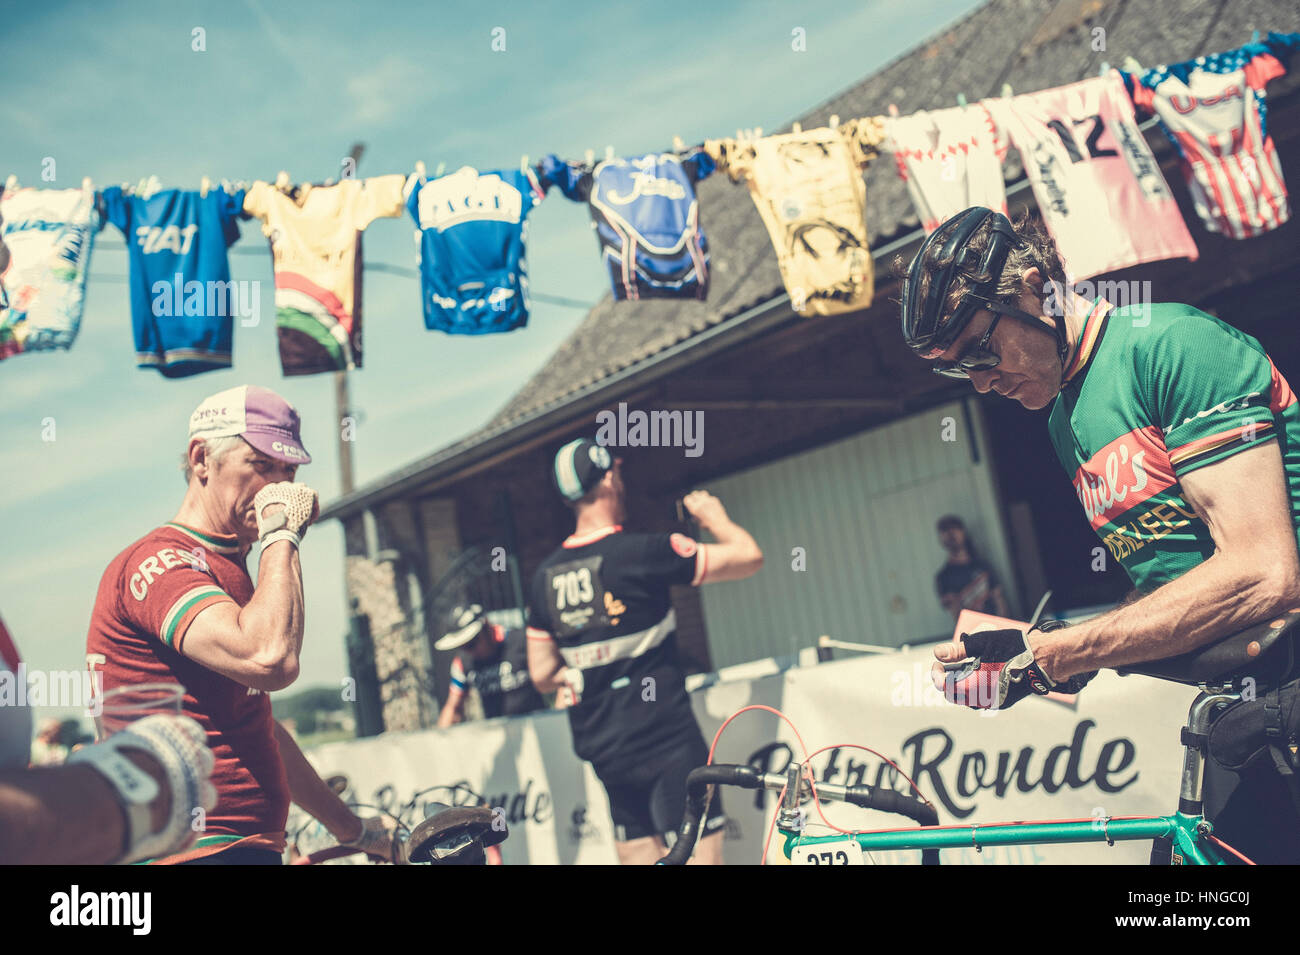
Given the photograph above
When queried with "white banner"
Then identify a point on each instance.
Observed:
(1114, 752)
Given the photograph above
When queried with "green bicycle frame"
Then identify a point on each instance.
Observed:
(1185, 831)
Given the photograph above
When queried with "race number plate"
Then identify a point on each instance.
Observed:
(840, 852)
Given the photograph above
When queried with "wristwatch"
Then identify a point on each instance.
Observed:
(134, 788)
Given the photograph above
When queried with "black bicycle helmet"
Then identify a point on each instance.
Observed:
(927, 331)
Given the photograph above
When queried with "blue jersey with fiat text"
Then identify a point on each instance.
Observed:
(183, 303)
(472, 230)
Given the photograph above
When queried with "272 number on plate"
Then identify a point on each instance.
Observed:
(840, 852)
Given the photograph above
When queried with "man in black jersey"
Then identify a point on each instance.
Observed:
(602, 631)
(494, 662)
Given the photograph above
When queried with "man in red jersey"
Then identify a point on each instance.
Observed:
(178, 606)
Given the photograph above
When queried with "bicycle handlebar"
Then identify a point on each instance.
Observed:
(746, 777)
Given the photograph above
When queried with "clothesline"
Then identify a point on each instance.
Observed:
(1099, 191)
(368, 266)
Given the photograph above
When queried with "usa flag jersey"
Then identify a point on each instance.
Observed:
(1213, 109)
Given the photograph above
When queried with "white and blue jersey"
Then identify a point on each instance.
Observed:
(647, 219)
(472, 231)
(182, 299)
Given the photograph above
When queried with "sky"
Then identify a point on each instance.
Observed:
(242, 90)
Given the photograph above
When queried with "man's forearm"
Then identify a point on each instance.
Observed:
(67, 815)
(1210, 601)
(309, 791)
(275, 614)
(727, 531)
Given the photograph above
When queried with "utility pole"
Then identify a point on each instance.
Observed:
(342, 400)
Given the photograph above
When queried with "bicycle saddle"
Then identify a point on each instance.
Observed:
(1266, 652)
(456, 836)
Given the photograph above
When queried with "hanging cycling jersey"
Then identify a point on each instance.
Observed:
(603, 598)
(808, 188)
(182, 300)
(473, 228)
(1098, 187)
(1152, 393)
(1213, 109)
(50, 234)
(647, 220)
(316, 247)
(502, 681)
(951, 159)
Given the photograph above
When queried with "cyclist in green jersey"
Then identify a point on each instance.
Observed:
(1183, 443)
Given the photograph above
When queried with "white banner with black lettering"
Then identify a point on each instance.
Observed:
(1114, 752)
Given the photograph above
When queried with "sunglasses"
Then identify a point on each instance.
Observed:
(977, 357)
(980, 356)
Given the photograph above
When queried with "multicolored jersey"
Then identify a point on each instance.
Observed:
(182, 299)
(316, 246)
(473, 228)
(502, 681)
(647, 220)
(15, 720)
(603, 599)
(50, 234)
(808, 188)
(1100, 189)
(951, 159)
(147, 599)
(1152, 393)
(1213, 109)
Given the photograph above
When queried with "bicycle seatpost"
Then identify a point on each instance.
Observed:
(1202, 713)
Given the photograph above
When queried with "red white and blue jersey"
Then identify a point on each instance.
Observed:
(1213, 108)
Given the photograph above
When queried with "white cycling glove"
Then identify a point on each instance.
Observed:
(289, 522)
(375, 839)
(180, 746)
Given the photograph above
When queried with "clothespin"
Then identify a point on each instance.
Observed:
(442, 167)
(893, 110)
(282, 181)
(1006, 91)
(590, 156)
(87, 185)
(204, 184)
(796, 127)
(523, 164)
(1131, 65)
(609, 153)
(678, 145)
(420, 171)
(835, 120)
(11, 183)
(1103, 69)
(1254, 37)
(961, 99)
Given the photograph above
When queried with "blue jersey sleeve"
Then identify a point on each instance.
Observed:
(231, 211)
(573, 179)
(116, 209)
(699, 163)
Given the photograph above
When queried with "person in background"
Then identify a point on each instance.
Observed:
(965, 582)
(493, 661)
